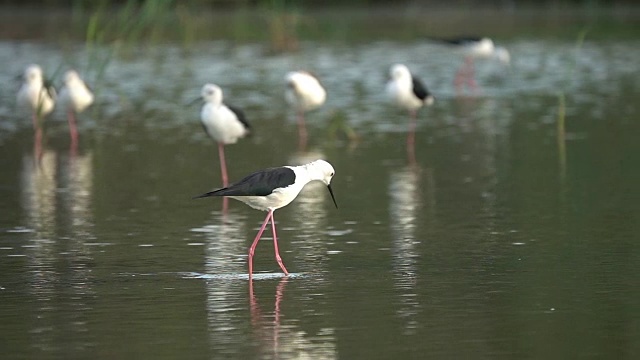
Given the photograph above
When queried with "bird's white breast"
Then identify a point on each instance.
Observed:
(277, 199)
(306, 93)
(75, 96)
(35, 97)
(222, 124)
(400, 92)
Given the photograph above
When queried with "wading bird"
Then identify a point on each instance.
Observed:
(304, 93)
(36, 94)
(409, 93)
(474, 47)
(273, 188)
(75, 97)
(224, 124)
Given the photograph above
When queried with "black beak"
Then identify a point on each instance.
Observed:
(332, 197)
(194, 101)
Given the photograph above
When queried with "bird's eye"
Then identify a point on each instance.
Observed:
(331, 174)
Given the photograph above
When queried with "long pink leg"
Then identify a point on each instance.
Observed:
(37, 144)
(412, 127)
(223, 165)
(471, 78)
(275, 246)
(302, 131)
(411, 138)
(459, 79)
(252, 249)
(73, 130)
(225, 205)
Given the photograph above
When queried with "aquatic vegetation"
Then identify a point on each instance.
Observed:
(561, 116)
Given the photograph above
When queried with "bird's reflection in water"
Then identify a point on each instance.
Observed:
(76, 180)
(277, 339)
(56, 197)
(226, 250)
(406, 202)
(267, 332)
(225, 254)
(38, 185)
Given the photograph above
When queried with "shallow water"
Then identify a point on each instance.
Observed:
(498, 242)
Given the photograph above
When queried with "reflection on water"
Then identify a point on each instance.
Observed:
(39, 203)
(267, 332)
(405, 203)
(38, 182)
(76, 182)
(225, 253)
(60, 277)
(281, 337)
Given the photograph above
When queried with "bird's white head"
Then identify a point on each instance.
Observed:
(322, 171)
(400, 71)
(71, 77)
(295, 79)
(212, 93)
(291, 78)
(33, 74)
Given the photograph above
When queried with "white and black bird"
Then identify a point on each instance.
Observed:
(36, 94)
(409, 93)
(474, 47)
(304, 93)
(224, 124)
(478, 47)
(74, 97)
(273, 188)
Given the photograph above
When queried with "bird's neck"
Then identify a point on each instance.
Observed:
(311, 173)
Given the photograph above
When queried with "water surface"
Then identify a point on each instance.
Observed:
(498, 242)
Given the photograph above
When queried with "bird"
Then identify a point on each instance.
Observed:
(36, 94)
(474, 47)
(74, 97)
(406, 90)
(410, 93)
(304, 93)
(273, 188)
(223, 123)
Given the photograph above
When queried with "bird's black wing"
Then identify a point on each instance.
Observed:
(241, 116)
(461, 40)
(260, 183)
(50, 88)
(419, 90)
(206, 130)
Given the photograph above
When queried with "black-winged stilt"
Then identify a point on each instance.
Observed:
(74, 97)
(39, 96)
(273, 188)
(224, 124)
(35, 94)
(474, 47)
(408, 92)
(304, 93)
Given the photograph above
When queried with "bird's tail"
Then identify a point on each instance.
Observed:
(207, 194)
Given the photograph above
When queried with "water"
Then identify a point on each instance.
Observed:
(497, 243)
